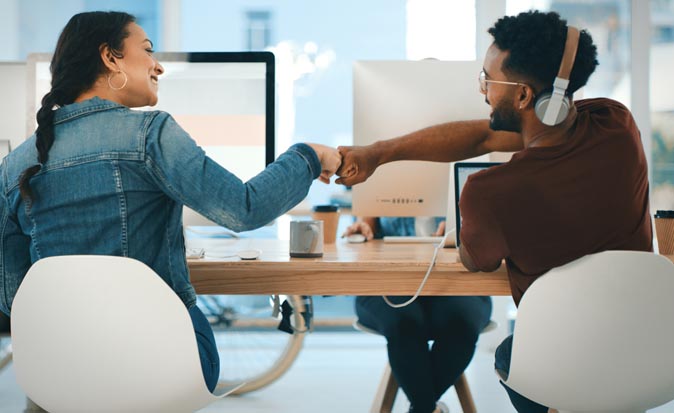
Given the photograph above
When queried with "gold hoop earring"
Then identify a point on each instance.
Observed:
(110, 76)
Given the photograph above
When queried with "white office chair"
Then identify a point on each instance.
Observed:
(105, 334)
(388, 385)
(596, 335)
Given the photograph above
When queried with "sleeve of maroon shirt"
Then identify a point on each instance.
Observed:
(481, 235)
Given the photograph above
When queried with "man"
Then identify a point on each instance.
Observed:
(577, 185)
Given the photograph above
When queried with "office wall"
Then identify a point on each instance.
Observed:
(13, 105)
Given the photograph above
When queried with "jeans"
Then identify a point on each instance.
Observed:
(208, 351)
(4, 323)
(502, 363)
(453, 323)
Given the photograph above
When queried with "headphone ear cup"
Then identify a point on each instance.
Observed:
(541, 107)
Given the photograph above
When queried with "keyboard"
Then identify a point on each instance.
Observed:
(412, 240)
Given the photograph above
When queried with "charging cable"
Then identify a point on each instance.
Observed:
(423, 282)
(219, 232)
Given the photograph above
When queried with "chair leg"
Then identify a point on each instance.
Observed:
(465, 397)
(5, 359)
(32, 407)
(386, 393)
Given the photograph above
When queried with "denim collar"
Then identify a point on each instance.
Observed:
(74, 110)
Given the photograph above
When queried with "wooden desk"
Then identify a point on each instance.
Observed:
(371, 268)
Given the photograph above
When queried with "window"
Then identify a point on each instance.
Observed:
(608, 21)
(258, 32)
(662, 104)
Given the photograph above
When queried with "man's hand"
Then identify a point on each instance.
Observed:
(330, 160)
(358, 163)
(440, 231)
(360, 227)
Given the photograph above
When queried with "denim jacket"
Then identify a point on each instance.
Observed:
(115, 184)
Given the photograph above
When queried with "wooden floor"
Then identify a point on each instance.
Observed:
(335, 372)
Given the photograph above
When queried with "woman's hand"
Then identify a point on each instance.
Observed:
(330, 160)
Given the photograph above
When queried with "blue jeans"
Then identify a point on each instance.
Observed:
(208, 351)
(453, 323)
(4, 323)
(502, 363)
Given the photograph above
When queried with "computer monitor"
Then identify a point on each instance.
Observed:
(224, 100)
(393, 98)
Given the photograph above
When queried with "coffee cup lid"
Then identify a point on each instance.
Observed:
(326, 208)
(664, 214)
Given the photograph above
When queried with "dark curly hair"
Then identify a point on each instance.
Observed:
(75, 66)
(536, 42)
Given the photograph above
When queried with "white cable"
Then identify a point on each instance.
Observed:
(421, 285)
(219, 231)
(208, 255)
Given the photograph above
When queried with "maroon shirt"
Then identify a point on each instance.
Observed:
(551, 205)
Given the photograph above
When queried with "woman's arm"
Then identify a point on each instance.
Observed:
(186, 174)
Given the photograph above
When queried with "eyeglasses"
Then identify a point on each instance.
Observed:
(484, 81)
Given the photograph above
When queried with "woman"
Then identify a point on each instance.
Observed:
(99, 178)
(453, 323)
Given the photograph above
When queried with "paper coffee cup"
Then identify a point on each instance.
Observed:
(664, 230)
(329, 214)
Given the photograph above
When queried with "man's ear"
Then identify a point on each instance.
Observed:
(108, 57)
(525, 97)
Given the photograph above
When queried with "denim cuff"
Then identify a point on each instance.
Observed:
(310, 156)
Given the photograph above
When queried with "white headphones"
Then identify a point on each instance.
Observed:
(553, 107)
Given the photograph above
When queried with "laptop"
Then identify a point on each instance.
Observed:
(461, 172)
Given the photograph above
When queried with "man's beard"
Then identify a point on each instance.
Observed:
(505, 118)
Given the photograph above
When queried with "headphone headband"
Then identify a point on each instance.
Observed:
(553, 108)
(570, 49)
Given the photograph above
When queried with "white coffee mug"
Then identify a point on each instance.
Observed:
(306, 239)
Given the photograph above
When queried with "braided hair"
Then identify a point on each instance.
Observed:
(75, 67)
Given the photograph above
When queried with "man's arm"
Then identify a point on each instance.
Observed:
(470, 265)
(446, 142)
(466, 260)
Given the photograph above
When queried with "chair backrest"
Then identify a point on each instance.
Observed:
(104, 334)
(597, 334)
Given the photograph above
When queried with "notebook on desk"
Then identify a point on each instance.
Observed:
(461, 172)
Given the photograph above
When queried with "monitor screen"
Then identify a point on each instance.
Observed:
(225, 101)
(393, 98)
(462, 170)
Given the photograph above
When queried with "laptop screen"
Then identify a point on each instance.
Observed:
(461, 172)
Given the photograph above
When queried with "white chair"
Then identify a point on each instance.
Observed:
(388, 385)
(105, 334)
(597, 335)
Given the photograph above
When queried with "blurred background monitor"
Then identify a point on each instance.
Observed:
(393, 98)
(225, 101)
